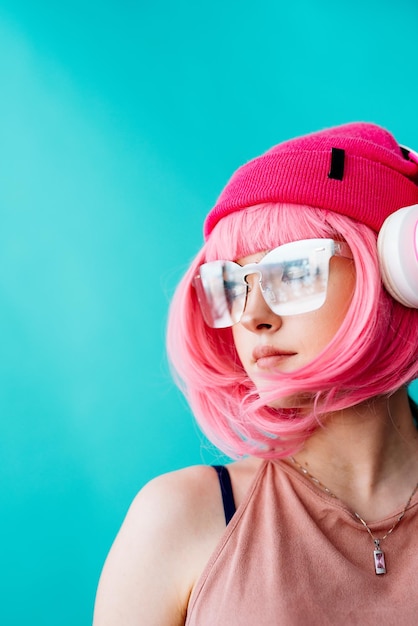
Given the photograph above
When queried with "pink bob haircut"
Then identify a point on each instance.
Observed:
(373, 353)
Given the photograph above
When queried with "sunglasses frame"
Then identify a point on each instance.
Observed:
(292, 256)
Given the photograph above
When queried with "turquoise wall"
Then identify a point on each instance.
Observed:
(119, 124)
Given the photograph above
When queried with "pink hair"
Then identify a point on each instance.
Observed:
(373, 353)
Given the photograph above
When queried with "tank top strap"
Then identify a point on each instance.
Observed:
(226, 491)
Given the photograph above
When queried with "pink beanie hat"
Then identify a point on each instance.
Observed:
(358, 170)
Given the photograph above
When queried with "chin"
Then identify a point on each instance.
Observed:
(292, 401)
(288, 402)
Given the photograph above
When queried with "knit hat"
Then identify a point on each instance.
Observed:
(357, 169)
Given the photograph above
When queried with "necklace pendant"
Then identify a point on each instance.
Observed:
(379, 558)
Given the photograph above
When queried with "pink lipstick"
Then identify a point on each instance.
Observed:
(268, 357)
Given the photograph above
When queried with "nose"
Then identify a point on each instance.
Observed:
(257, 315)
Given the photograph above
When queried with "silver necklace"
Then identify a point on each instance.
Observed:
(378, 554)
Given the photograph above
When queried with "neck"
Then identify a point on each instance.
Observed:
(367, 456)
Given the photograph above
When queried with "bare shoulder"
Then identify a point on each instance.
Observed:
(168, 535)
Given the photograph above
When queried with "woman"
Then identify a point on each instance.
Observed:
(295, 360)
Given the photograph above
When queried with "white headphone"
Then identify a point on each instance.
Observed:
(397, 246)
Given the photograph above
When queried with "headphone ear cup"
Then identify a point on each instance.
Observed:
(397, 246)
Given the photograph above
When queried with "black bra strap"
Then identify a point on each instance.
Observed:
(226, 491)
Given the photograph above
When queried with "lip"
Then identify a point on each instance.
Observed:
(267, 357)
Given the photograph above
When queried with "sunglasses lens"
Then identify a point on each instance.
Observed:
(221, 293)
(295, 278)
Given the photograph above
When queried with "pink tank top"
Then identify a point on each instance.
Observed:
(292, 555)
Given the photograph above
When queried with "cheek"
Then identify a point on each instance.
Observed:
(326, 321)
(340, 293)
(241, 341)
(317, 333)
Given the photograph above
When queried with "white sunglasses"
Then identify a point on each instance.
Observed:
(293, 279)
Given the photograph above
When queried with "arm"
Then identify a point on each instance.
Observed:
(170, 531)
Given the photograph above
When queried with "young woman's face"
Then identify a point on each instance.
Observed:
(266, 342)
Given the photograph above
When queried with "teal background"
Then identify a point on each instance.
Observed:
(119, 124)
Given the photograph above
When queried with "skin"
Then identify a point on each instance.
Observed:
(168, 536)
(367, 455)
